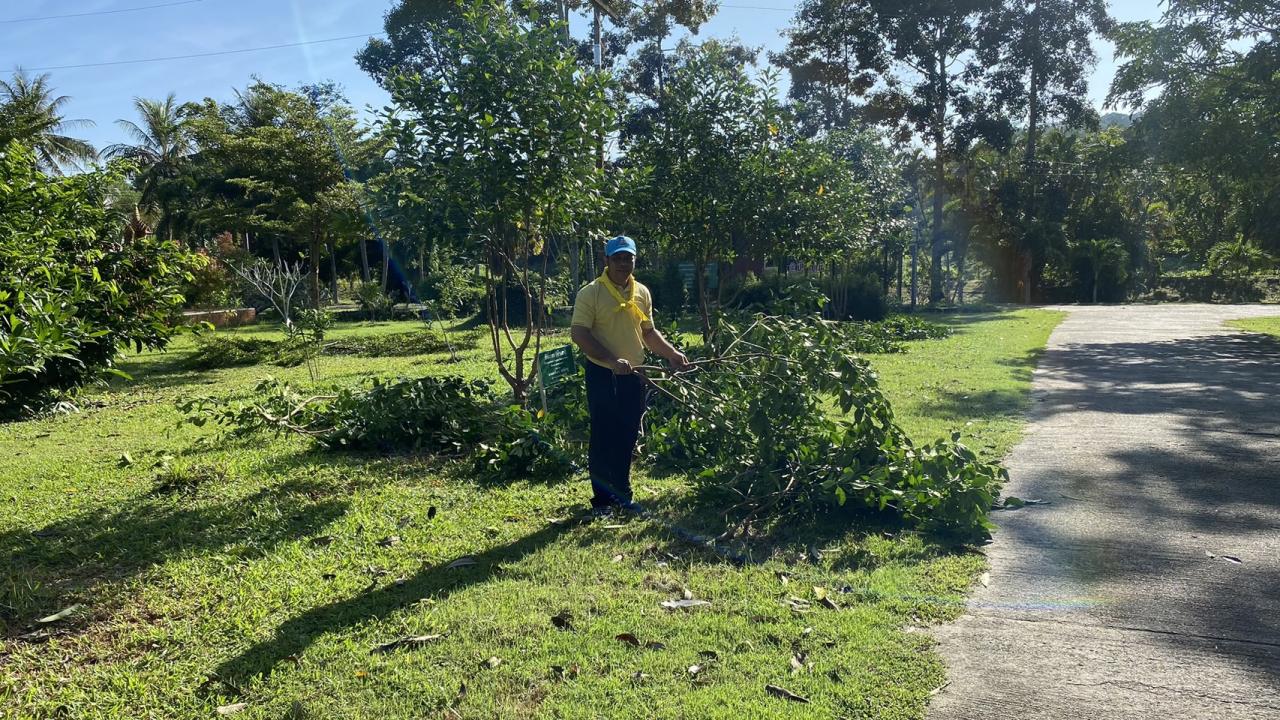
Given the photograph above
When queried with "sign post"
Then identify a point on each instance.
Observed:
(553, 366)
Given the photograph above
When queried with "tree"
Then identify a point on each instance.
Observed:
(266, 161)
(76, 287)
(31, 114)
(1040, 53)
(159, 147)
(914, 64)
(698, 153)
(1103, 255)
(1206, 79)
(502, 129)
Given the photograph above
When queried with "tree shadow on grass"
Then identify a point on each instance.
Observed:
(77, 559)
(437, 581)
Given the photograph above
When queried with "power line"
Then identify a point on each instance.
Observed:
(99, 12)
(207, 54)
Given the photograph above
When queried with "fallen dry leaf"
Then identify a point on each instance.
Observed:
(784, 694)
(683, 604)
(828, 603)
(390, 541)
(62, 614)
(617, 558)
(492, 662)
(464, 561)
(985, 579)
(654, 645)
(415, 641)
(231, 709)
(628, 638)
(694, 670)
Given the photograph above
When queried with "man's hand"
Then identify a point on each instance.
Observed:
(680, 362)
(622, 366)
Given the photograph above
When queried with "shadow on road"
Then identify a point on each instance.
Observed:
(1152, 509)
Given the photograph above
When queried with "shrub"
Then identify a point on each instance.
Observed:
(211, 285)
(73, 291)
(375, 303)
(670, 296)
(418, 342)
(455, 289)
(855, 297)
(446, 416)
(214, 352)
(755, 426)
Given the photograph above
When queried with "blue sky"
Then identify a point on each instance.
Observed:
(103, 94)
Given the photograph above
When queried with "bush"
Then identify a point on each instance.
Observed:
(211, 285)
(375, 303)
(455, 289)
(73, 291)
(446, 416)
(214, 352)
(419, 342)
(911, 327)
(1204, 286)
(751, 294)
(670, 296)
(855, 297)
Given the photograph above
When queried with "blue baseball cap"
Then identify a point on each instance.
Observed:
(618, 244)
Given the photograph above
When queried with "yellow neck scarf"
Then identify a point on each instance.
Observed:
(627, 303)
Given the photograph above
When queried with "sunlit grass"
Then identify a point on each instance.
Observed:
(213, 571)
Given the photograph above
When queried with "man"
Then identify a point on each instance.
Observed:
(613, 324)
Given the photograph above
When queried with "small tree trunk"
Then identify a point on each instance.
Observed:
(939, 182)
(275, 250)
(704, 310)
(315, 271)
(364, 260)
(333, 272)
(386, 266)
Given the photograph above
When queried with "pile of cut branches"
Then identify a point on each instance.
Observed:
(786, 417)
(445, 416)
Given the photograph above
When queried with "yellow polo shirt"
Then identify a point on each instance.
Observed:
(618, 330)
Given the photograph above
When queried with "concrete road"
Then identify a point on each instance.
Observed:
(1149, 585)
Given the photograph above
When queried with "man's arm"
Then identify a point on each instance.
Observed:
(655, 341)
(593, 348)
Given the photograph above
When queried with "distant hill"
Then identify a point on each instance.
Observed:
(1115, 119)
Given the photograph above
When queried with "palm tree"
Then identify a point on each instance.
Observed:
(160, 145)
(1103, 253)
(31, 114)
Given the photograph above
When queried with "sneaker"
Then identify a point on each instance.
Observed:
(633, 508)
(602, 512)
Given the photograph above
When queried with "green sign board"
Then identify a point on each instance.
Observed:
(555, 365)
(711, 272)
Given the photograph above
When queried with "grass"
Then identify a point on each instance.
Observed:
(1267, 325)
(211, 572)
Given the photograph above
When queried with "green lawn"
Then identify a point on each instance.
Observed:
(1268, 325)
(264, 573)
